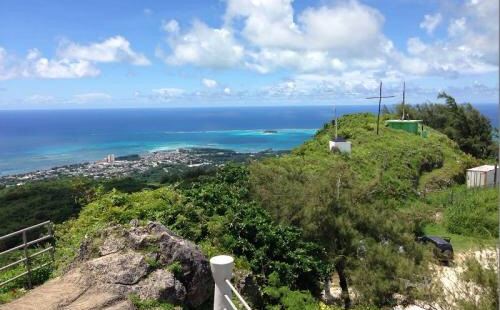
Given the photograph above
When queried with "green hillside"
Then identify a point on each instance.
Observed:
(402, 164)
(294, 220)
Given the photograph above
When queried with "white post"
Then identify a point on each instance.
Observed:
(222, 269)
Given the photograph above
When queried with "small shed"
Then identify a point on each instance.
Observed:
(411, 126)
(482, 176)
(340, 144)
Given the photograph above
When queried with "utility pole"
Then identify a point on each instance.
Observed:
(404, 91)
(379, 97)
(335, 116)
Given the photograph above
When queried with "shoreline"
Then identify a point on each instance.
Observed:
(127, 165)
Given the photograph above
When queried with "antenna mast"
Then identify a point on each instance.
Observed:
(379, 97)
(404, 92)
(335, 115)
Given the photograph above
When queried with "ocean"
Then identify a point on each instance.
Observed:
(41, 139)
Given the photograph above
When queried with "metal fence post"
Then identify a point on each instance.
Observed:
(26, 256)
(222, 269)
(52, 243)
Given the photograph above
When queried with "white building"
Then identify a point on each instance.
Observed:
(341, 145)
(110, 158)
(481, 176)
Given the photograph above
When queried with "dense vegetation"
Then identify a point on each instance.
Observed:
(293, 221)
(468, 212)
(27, 205)
(216, 213)
(350, 203)
(462, 123)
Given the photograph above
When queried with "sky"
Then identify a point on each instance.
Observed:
(121, 53)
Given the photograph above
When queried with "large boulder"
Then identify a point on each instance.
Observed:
(125, 261)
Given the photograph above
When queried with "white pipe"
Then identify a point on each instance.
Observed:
(243, 302)
(222, 269)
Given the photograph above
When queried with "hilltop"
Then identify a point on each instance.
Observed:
(403, 164)
(291, 221)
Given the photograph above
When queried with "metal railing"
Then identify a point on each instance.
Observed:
(222, 272)
(27, 256)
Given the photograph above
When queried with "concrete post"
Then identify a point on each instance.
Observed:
(222, 269)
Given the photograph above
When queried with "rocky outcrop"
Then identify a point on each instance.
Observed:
(125, 261)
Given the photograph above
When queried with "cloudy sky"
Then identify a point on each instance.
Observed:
(117, 53)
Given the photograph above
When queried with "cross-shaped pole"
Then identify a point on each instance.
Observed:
(379, 97)
(404, 92)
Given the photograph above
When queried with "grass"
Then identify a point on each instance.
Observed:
(468, 216)
(460, 243)
(403, 164)
(145, 304)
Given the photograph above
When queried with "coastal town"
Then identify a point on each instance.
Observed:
(120, 166)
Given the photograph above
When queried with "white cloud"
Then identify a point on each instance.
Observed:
(431, 22)
(60, 68)
(267, 23)
(167, 94)
(338, 38)
(114, 49)
(209, 83)
(73, 60)
(147, 11)
(470, 48)
(457, 26)
(172, 26)
(34, 65)
(91, 97)
(323, 38)
(227, 91)
(345, 29)
(37, 98)
(203, 46)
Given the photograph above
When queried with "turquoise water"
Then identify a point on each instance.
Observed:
(32, 140)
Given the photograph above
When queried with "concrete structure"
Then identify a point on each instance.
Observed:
(341, 145)
(482, 176)
(411, 126)
(222, 269)
(222, 272)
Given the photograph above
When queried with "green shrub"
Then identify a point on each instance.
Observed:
(148, 304)
(472, 212)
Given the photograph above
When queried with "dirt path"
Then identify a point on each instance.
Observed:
(68, 292)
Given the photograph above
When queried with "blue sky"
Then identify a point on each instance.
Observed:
(103, 54)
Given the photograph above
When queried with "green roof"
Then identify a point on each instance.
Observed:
(404, 121)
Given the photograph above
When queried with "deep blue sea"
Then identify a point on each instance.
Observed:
(41, 139)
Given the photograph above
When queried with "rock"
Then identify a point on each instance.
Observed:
(112, 244)
(196, 277)
(120, 268)
(162, 285)
(129, 261)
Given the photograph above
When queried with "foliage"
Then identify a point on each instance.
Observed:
(393, 164)
(281, 297)
(214, 211)
(462, 123)
(32, 203)
(18, 287)
(351, 204)
(176, 269)
(469, 212)
(111, 208)
(486, 279)
(468, 216)
(147, 304)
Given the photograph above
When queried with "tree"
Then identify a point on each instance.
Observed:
(364, 239)
(462, 123)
